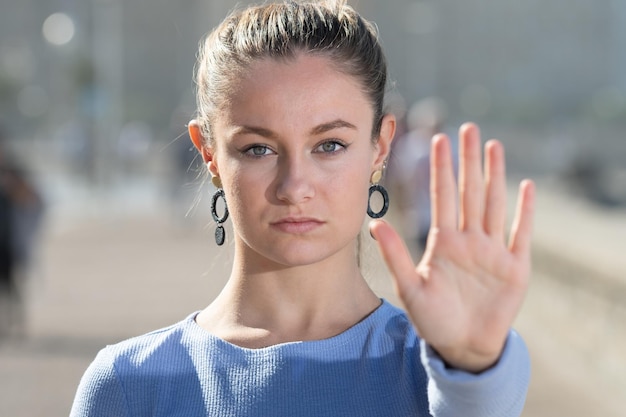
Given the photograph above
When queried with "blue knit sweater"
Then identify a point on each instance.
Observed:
(379, 367)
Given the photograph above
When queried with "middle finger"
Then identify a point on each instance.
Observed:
(471, 192)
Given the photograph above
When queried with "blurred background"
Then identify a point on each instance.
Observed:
(114, 233)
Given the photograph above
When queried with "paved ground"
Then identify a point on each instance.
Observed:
(104, 278)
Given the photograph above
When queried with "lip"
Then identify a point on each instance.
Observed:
(297, 225)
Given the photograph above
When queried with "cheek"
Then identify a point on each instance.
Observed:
(350, 195)
(244, 210)
(233, 188)
(244, 193)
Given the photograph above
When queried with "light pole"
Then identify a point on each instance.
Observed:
(108, 108)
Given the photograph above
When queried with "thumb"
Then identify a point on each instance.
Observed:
(396, 256)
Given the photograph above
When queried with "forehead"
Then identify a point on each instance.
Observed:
(305, 89)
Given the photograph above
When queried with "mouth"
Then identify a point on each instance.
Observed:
(298, 225)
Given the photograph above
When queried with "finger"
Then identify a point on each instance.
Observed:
(495, 188)
(442, 184)
(470, 177)
(521, 230)
(396, 256)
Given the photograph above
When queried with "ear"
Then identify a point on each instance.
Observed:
(201, 145)
(383, 146)
(199, 142)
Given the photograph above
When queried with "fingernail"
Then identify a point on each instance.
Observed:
(370, 230)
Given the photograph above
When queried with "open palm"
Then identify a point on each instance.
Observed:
(464, 294)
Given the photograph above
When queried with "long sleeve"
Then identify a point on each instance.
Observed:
(100, 393)
(500, 391)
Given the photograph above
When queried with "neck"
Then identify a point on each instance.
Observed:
(262, 305)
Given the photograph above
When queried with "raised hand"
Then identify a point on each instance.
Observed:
(465, 292)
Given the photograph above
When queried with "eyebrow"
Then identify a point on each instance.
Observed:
(254, 130)
(317, 130)
(335, 124)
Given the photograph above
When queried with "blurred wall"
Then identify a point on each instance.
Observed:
(532, 64)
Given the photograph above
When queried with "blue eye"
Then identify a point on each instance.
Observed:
(330, 146)
(257, 150)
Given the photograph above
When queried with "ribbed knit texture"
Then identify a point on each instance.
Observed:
(379, 367)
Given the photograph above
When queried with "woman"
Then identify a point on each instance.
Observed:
(291, 127)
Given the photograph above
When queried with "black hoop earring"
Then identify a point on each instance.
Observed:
(384, 194)
(220, 233)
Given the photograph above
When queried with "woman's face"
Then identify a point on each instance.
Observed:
(294, 153)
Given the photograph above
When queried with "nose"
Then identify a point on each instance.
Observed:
(294, 181)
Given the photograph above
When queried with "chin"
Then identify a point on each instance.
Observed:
(295, 255)
(299, 259)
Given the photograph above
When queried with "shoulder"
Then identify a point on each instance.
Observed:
(391, 324)
(393, 314)
(151, 353)
(146, 350)
(129, 374)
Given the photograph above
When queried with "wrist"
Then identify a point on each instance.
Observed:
(467, 360)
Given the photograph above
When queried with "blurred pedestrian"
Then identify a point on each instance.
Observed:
(20, 216)
(409, 171)
(292, 129)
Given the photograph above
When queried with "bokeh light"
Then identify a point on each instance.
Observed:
(58, 29)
